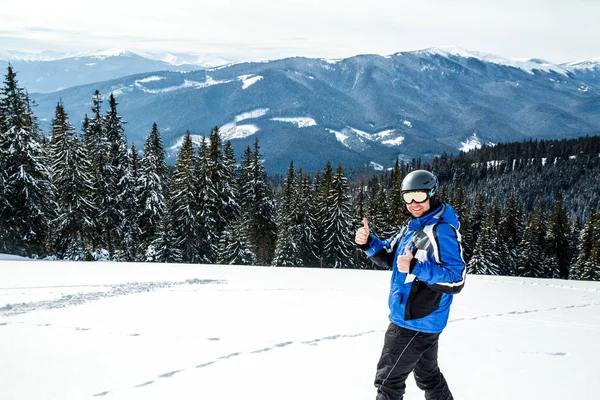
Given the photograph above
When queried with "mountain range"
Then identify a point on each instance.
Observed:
(363, 110)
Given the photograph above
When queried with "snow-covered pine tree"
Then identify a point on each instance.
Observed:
(470, 235)
(220, 195)
(557, 238)
(73, 183)
(549, 266)
(207, 208)
(322, 189)
(458, 203)
(96, 147)
(396, 205)
(529, 251)
(184, 200)
(165, 247)
(378, 210)
(286, 246)
(261, 207)
(130, 228)
(510, 232)
(338, 229)
(119, 187)
(587, 261)
(305, 220)
(27, 195)
(234, 246)
(152, 184)
(230, 190)
(485, 259)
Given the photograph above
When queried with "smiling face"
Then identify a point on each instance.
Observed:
(418, 209)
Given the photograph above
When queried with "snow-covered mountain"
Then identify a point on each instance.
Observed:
(361, 111)
(51, 71)
(129, 331)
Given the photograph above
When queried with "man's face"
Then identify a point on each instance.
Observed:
(418, 209)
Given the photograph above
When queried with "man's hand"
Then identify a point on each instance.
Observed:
(403, 262)
(362, 234)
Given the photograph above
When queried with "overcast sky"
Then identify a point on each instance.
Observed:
(555, 30)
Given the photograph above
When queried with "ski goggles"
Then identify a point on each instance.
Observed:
(417, 197)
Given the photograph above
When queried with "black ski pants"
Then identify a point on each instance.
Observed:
(405, 351)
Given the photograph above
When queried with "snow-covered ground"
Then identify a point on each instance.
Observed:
(154, 331)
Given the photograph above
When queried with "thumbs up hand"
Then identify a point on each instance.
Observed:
(403, 261)
(362, 234)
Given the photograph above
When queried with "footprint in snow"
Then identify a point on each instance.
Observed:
(169, 374)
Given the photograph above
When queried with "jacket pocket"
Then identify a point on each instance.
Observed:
(422, 301)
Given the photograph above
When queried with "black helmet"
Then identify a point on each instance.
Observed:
(420, 180)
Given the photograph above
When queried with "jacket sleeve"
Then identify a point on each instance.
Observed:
(447, 273)
(380, 252)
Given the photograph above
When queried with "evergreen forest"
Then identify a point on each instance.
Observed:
(528, 209)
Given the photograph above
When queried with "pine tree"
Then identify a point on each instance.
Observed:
(458, 203)
(96, 148)
(220, 203)
(510, 232)
(129, 228)
(471, 234)
(305, 220)
(529, 251)
(234, 246)
(378, 209)
(338, 231)
(73, 183)
(166, 245)
(557, 239)
(230, 191)
(261, 207)
(587, 262)
(116, 217)
(207, 208)
(486, 259)
(322, 190)
(286, 248)
(27, 196)
(184, 213)
(152, 184)
(396, 205)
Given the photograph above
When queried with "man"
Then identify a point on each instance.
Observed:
(428, 269)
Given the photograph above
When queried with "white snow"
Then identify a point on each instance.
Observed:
(153, 78)
(394, 142)
(376, 167)
(383, 134)
(528, 65)
(248, 80)
(127, 331)
(186, 84)
(259, 112)
(407, 123)
(340, 137)
(362, 133)
(301, 122)
(232, 131)
(471, 143)
(102, 54)
(590, 64)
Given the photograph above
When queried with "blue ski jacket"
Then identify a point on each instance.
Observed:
(420, 300)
